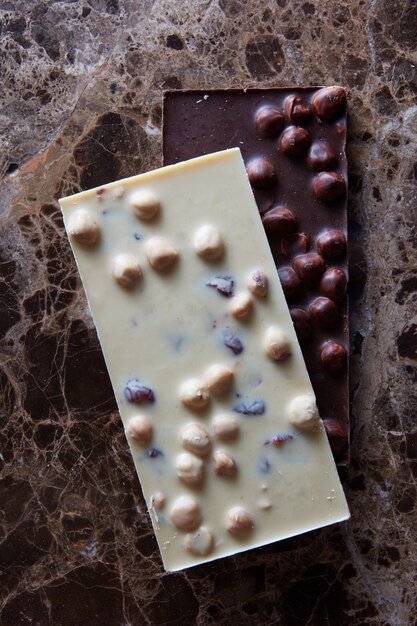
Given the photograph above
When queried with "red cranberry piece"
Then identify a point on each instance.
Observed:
(279, 221)
(321, 157)
(269, 121)
(336, 435)
(333, 356)
(295, 141)
(290, 282)
(280, 439)
(261, 174)
(296, 243)
(329, 187)
(296, 110)
(333, 284)
(309, 267)
(302, 322)
(329, 103)
(137, 393)
(332, 244)
(324, 311)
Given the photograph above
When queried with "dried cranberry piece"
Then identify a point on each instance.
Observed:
(232, 341)
(280, 439)
(223, 283)
(137, 393)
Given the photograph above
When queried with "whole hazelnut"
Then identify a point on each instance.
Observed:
(218, 379)
(290, 283)
(200, 542)
(332, 244)
(294, 244)
(239, 522)
(189, 468)
(321, 157)
(145, 204)
(295, 141)
(257, 283)
(269, 121)
(329, 103)
(296, 110)
(279, 221)
(309, 267)
(329, 187)
(302, 412)
(333, 284)
(160, 253)
(277, 345)
(208, 242)
(140, 429)
(302, 322)
(127, 270)
(336, 435)
(194, 395)
(333, 356)
(196, 439)
(158, 500)
(83, 228)
(226, 427)
(185, 513)
(224, 464)
(324, 311)
(261, 174)
(241, 305)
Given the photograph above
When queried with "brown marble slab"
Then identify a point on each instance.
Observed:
(81, 102)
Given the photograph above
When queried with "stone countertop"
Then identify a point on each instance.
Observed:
(81, 106)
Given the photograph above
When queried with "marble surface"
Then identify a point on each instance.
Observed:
(80, 106)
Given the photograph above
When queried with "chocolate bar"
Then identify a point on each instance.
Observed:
(293, 143)
(217, 405)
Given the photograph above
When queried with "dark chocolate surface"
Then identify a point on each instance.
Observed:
(81, 106)
(286, 164)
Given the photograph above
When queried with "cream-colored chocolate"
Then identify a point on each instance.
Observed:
(172, 329)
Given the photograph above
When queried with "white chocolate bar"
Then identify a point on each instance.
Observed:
(209, 378)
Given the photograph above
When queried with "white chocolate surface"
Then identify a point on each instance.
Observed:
(169, 330)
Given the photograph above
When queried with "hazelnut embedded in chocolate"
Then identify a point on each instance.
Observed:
(324, 311)
(290, 282)
(185, 513)
(269, 121)
(333, 356)
(321, 157)
(83, 228)
(294, 244)
(261, 174)
(302, 322)
(333, 284)
(329, 103)
(336, 435)
(309, 267)
(239, 521)
(332, 244)
(295, 141)
(329, 187)
(279, 221)
(296, 110)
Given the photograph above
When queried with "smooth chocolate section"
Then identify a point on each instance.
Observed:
(298, 170)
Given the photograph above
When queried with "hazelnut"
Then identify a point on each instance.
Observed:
(161, 253)
(309, 267)
(261, 174)
(329, 102)
(194, 395)
(158, 500)
(332, 244)
(296, 110)
(140, 429)
(279, 221)
(239, 522)
(196, 439)
(145, 204)
(329, 187)
(338, 439)
(126, 270)
(241, 305)
(321, 157)
(276, 344)
(200, 542)
(302, 412)
(83, 228)
(324, 311)
(269, 121)
(224, 464)
(295, 141)
(333, 356)
(185, 513)
(302, 322)
(189, 468)
(208, 243)
(218, 379)
(333, 284)
(257, 283)
(226, 427)
(290, 283)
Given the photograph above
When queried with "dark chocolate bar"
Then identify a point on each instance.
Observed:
(293, 143)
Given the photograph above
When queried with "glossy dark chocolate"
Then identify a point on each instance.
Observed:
(293, 144)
